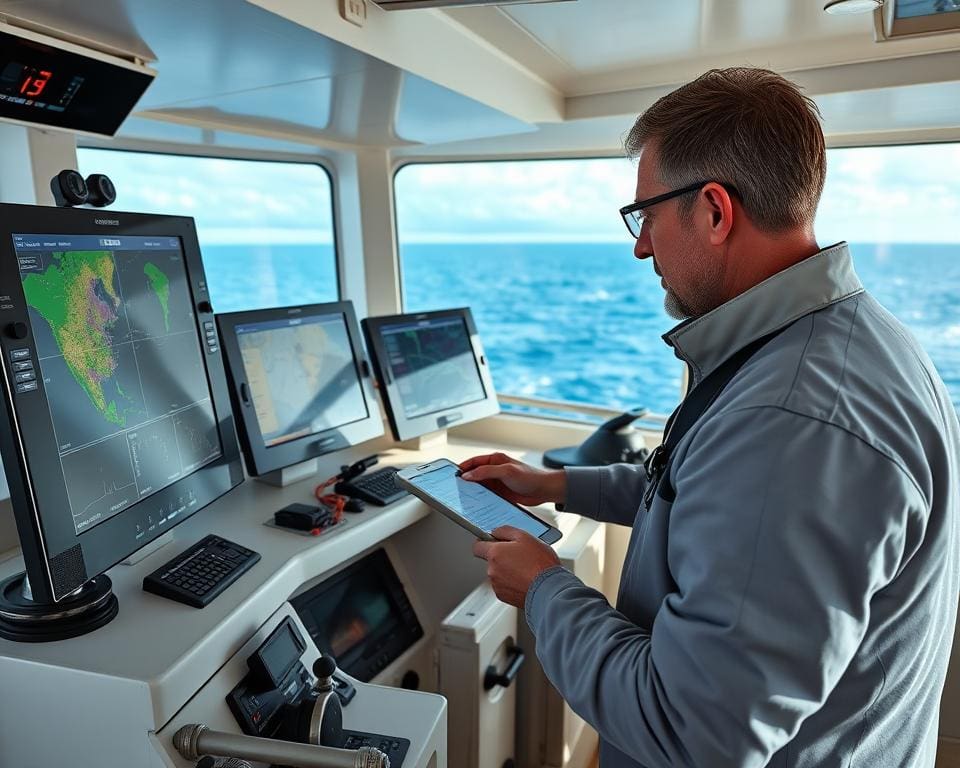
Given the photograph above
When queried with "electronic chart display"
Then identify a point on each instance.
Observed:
(431, 370)
(301, 375)
(116, 415)
(433, 365)
(298, 382)
(121, 364)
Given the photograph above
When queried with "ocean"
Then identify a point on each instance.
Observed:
(580, 321)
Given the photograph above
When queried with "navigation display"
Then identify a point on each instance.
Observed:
(433, 364)
(302, 376)
(120, 360)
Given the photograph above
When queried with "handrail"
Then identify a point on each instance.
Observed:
(568, 406)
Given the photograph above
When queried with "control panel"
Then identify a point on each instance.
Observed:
(277, 699)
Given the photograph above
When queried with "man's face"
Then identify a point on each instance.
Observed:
(689, 274)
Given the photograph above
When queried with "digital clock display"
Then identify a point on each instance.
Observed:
(33, 86)
(53, 87)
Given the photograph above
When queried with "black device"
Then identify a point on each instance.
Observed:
(115, 406)
(469, 504)
(431, 370)
(613, 442)
(304, 517)
(56, 84)
(69, 188)
(202, 572)
(276, 699)
(378, 487)
(361, 615)
(297, 380)
(100, 190)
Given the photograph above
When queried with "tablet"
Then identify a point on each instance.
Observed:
(475, 507)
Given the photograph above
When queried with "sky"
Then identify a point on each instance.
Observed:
(874, 194)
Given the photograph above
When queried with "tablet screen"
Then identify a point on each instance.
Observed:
(473, 502)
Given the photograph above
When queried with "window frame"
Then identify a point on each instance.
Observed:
(209, 153)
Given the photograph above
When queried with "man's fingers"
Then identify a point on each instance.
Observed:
(486, 459)
(482, 548)
(508, 533)
(488, 472)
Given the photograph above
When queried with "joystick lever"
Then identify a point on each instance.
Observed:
(318, 717)
(324, 668)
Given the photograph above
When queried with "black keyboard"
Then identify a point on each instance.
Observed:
(201, 573)
(378, 487)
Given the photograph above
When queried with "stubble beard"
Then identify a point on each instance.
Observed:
(674, 307)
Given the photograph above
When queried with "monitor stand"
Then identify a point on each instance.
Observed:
(431, 441)
(292, 474)
(21, 619)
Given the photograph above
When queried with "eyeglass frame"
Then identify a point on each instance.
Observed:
(628, 212)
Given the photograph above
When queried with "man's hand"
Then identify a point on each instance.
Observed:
(516, 481)
(514, 562)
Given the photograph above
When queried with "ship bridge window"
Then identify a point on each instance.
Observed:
(898, 207)
(539, 252)
(265, 228)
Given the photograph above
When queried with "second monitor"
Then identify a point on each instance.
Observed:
(431, 370)
(298, 383)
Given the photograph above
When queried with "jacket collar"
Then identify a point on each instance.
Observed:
(814, 283)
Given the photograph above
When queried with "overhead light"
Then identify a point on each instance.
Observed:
(845, 7)
(409, 5)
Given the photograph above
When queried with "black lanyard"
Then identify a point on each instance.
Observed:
(689, 411)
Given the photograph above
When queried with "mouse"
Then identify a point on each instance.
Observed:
(354, 505)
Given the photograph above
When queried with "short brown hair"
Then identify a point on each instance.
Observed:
(750, 128)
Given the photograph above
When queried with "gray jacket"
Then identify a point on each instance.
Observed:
(795, 604)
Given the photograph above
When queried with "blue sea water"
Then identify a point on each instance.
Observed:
(581, 321)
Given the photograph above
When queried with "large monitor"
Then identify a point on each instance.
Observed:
(431, 370)
(298, 380)
(116, 413)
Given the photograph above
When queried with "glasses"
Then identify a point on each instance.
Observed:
(633, 214)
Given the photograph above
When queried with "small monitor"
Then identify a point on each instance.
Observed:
(117, 418)
(361, 616)
(299, 384)
(431, 370)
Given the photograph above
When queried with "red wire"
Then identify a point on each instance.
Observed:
(334, 501)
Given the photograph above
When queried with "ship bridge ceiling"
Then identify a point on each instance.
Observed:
(293, 74)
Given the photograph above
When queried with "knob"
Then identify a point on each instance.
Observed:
(17, 331)
(324, 667)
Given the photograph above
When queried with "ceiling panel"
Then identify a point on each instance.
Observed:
(233, 66)
(599, 35)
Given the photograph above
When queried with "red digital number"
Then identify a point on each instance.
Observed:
(33, 86)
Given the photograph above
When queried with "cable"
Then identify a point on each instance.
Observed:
(337, 501)
(332, 501)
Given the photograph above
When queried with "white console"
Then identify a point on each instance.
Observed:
(115, 697)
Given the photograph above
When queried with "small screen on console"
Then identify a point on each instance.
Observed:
(120, 358)
(302, 376)
(361, 616)
(433, 363)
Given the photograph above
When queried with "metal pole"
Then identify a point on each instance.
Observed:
(194, 740)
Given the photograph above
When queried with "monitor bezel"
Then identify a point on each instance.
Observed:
(262, 459)
(57, 559)
(404, 427)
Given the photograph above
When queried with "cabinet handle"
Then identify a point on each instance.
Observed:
(492, 678)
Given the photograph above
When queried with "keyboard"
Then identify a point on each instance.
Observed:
(378, 487)
(197, 576)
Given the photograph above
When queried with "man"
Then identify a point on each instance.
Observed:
(790, 589)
